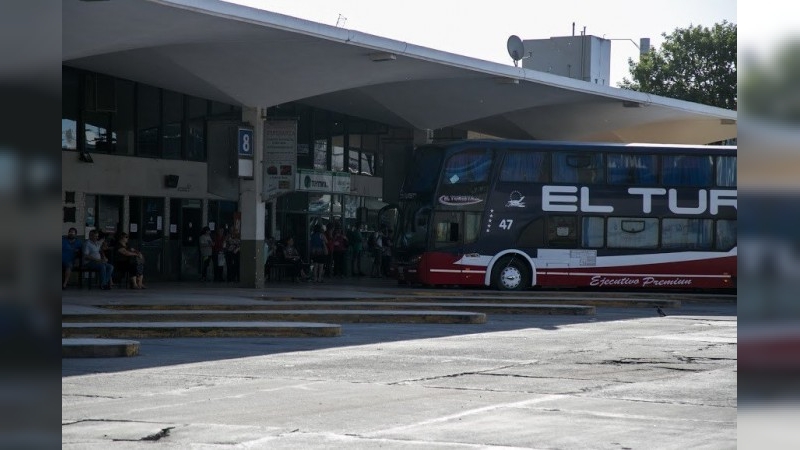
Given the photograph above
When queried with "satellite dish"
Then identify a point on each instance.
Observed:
(515, 48)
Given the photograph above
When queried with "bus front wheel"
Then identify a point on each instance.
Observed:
(511, 274)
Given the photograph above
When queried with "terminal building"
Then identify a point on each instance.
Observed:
(181, 114)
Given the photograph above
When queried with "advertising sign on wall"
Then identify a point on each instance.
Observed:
(314, 180)
(323, 181)
(280, 157)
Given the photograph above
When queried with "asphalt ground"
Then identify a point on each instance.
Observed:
(622, 378)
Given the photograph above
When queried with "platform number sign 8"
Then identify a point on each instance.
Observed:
(245, 142)
(506, 224)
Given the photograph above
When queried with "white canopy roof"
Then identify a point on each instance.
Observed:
(251, 57)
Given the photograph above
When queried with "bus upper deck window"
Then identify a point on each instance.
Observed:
(586, 168)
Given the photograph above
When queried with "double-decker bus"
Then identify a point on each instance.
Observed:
(517, 214)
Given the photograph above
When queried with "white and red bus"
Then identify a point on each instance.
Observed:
(517, 214)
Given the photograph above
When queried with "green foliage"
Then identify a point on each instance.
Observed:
(696, 64)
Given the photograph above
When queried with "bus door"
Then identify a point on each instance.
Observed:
(454, 258)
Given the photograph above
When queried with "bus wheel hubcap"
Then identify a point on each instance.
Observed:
(510, 277)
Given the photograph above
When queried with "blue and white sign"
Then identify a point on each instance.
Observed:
(245, 142)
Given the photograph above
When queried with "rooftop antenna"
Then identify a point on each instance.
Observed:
(515, 49)
(341, 20)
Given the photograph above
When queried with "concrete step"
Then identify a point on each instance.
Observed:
(485, 308)
(296, 315)
(98, 348)
(141, 330)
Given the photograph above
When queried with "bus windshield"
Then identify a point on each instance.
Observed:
(427, 164)
(413, 226)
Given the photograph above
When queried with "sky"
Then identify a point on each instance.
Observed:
(480, 29)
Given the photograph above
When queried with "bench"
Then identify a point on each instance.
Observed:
(93, 273)
(276, 269)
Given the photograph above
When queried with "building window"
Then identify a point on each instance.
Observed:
(171, 138)
(70, 92)
(197, 110)
(148, 119)
(337, 153)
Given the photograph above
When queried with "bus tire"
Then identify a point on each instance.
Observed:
(511, 273)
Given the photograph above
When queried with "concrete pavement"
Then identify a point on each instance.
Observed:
(622, 378)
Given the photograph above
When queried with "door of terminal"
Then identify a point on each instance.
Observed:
(147, 233)
(186, 216)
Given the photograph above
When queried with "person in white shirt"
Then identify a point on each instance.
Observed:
(95, 260)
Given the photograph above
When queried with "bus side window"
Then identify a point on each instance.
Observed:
(562, 231)
(584, 168)
(454, 232)
(726, 171)
(632, 170)
(522, 166)
(726, 234)
(632, 232)
(685, 170)
(447, 228)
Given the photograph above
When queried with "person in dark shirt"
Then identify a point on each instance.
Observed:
(292, 256)
(70, 255)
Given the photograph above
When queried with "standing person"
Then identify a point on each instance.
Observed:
(232, 246)
(328, 232)
(206, 252)
(95, 260)
(356, 244)
(132, 260)
(376, 250)
(70, 255)
(386, 257)
(339, 246)
(318, 247)
(218, 254)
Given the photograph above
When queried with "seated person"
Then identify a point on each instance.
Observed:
(131, 261)
(70, 255)
(292, 256)
(93, 259)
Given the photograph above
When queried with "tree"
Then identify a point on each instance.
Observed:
(696, 64)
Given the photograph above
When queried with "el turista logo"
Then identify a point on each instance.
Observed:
(564, 199)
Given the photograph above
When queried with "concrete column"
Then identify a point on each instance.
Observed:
(253, 209)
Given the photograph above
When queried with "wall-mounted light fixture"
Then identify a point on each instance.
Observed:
(382, 56)
(171, 181)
